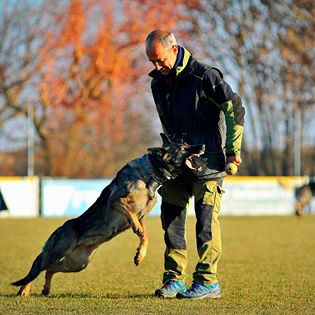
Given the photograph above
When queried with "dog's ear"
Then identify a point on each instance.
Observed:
(166, 140)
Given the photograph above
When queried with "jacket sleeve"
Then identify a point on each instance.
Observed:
(220, 93)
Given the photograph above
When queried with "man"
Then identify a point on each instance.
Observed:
(192, 100)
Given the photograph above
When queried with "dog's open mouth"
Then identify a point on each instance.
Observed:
(191, 163)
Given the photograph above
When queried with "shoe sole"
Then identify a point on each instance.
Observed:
(206, 296)
(161, 295)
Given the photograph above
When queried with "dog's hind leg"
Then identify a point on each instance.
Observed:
(25, 290)
(25, 283)
(76, 261)
(47, 285)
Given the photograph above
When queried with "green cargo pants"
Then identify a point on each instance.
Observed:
(175, 199)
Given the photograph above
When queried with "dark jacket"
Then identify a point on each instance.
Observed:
(192, 102)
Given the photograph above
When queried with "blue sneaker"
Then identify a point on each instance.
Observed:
(170, 289)
(200, 291)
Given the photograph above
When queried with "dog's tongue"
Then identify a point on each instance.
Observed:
(191, 165)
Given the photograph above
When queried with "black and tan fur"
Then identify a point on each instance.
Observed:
(303, 198)
(122, 204)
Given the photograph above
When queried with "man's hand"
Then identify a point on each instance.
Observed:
(232, 163)
(234, 159)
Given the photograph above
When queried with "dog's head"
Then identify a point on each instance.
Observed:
(172, 157)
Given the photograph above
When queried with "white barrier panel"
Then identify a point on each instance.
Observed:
(243, 196)
(69, 197)
(20, 195)
(254, 195)
(64, 197)
(258, 196)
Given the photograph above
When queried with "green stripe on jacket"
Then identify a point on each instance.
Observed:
(234, 132)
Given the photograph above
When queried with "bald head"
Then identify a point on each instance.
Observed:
(165, 38)
(162, 49)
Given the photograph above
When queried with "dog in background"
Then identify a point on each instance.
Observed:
(122, 204)
(303, 197)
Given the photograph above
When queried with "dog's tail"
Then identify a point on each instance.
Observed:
(34, 272)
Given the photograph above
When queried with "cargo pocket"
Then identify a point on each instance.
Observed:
(209, 195)
(218, 198)
(213, 196)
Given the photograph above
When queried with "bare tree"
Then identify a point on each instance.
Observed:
(265, 50)
(18, 57)
(76, 64)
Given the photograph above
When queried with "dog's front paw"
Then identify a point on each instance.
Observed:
(137, 259)
(140, 254)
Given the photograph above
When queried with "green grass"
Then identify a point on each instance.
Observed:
(267, 267)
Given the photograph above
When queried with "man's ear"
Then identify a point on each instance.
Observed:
(166, 140)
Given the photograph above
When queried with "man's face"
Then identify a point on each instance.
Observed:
(162, 58)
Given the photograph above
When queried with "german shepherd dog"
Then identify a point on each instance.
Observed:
(122, 204)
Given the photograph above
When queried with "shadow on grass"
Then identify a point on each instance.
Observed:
(112, 296)
(12, 295)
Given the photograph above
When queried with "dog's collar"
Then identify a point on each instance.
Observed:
(149, 169)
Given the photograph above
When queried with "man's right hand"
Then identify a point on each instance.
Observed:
(234, 159)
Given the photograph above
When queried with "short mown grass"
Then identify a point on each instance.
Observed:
(267, 267)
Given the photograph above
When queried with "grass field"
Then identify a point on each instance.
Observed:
(267, 267)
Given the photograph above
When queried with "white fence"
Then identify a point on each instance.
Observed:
(53, 197)
(19, 196)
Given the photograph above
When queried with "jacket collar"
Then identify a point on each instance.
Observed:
(183, 64)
